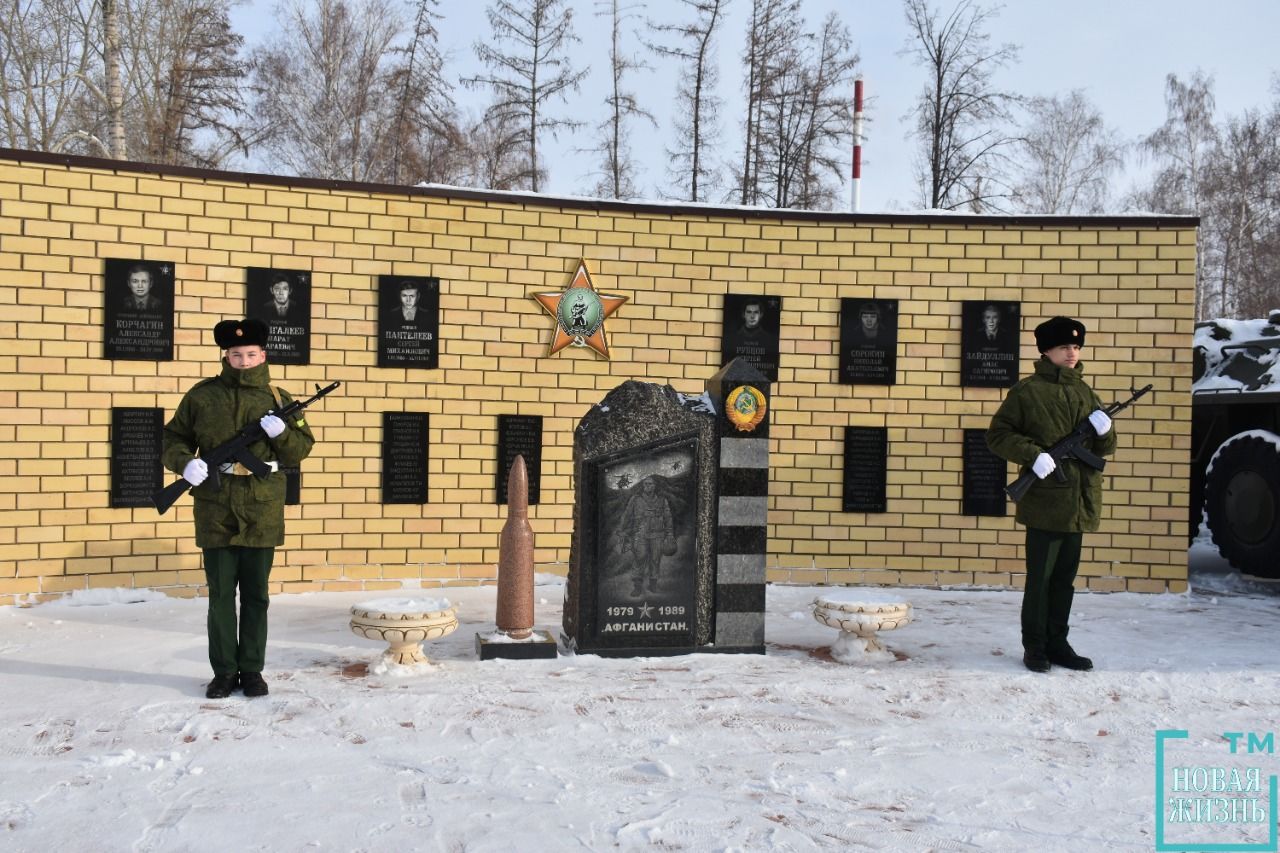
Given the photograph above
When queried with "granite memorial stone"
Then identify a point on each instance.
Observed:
(669, 539)
(641, 575)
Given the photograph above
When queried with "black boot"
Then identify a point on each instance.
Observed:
(1065, 656)
(253, 684)
(1035, 661)
(220, 687)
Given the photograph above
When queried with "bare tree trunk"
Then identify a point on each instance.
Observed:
(960, 117)
(696, 114)
(536, 69)
(115, 91)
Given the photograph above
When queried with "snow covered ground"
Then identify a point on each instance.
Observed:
(109, 744)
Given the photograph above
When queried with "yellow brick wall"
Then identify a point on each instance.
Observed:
(1131, 281)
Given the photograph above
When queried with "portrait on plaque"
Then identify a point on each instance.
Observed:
(138, 316)
(749, 330)
(868, 341)
(282, 299)
(409, 321)
(646, 540)
(989, 344)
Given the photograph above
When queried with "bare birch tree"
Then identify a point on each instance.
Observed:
(157, 80)
(323, 98)
(535, 71)
(1180, 148)
(1240, 218)
(111, 67)
(1066, 158)
(50, 68)
(618, 167)
(961, 118)
(183, 103)
(697, 105)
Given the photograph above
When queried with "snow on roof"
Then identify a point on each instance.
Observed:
(1230, 366)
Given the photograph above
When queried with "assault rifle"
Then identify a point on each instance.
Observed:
(236, 449)
(1071, 446)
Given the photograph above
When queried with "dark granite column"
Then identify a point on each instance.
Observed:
(742, 541)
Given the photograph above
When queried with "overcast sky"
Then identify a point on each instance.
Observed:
(1118, 52)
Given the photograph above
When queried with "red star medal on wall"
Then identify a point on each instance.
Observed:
(580, 313)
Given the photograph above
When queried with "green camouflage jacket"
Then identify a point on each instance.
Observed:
(1037, 412)
(245, 510)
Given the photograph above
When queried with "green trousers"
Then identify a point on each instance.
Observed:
(235, 649)
(1052, 561)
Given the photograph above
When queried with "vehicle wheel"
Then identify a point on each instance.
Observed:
(1242, 500)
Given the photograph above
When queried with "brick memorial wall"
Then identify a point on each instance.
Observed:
(1131, 280)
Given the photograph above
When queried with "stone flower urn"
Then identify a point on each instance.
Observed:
(859, 615)
(404, 623)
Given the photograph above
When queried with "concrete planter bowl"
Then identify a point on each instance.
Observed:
(404, 624)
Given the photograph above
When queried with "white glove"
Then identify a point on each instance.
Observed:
(1043, 466)
(196, 472)
(271, 425)
(1101, 423)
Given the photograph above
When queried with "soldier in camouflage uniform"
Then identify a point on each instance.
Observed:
(239, 525)
(1039, 411)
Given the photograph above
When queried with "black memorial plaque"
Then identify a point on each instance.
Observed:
(136, 442)
(646, 541)
(292, 486)
(750, 329)
(866, 453)
(868, 341)
(519, 435)
(989, 344)
(138, 316)
(984, 476)
(409, 321)
(282, 299)
(404, 457)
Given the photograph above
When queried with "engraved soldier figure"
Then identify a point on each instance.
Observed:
(649, 532)
(579, 316)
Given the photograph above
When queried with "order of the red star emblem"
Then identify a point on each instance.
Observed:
(580, 313)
